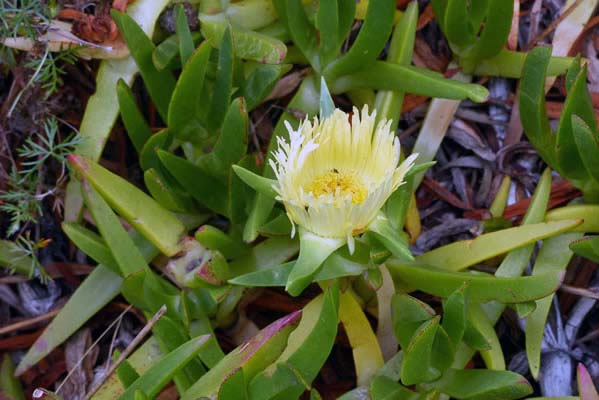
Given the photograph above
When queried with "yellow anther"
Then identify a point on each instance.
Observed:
(339, 184)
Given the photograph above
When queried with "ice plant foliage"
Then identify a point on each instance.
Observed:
(334, 176)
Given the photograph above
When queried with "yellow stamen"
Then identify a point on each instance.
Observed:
(339, 183)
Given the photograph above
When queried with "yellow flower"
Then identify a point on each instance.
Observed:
(334, 176)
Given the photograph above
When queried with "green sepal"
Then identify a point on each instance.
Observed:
(314, 250)
(337, 265)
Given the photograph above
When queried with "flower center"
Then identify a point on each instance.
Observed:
(339, 184)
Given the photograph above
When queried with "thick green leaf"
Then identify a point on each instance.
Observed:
(409, 314)
(258, 85)
(127, 256)
(97, 290)
(165, 54)
(512, 265)
(443, 351)
(248, 45)
(587, 144)
(159, 225)
(215, 239)
(553, 257)
(589, 213)
(383, 75)
(91, 244)
(186, 46)
(291, 13)
(388, 103)
(417, 362)
(533, 112)
(239, 194)
(327, 23)
(463, 254)
(250, 358)
(232, 143)
(482, 326)
(206, 189)
(455, 313)
(480, 384)
(482, 287)
(160, 84)
(252, 14)
(308, 348)
(221, 93)
(125, 371)
(184, 109)
(172, 334)
(439, 8)
(165, 194)
(510, 64)
(573, 73)
(346, 13)
(10, 387)
(578, 104)
(457, 25)
(158, 141)
(267, 254)
(587, 247)
(103, 107)
(135, 123)
(383, 388)
(141, 360)
(153, 380)
(477, 12)
(495, 31)
(370, 41)
(516, 260)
